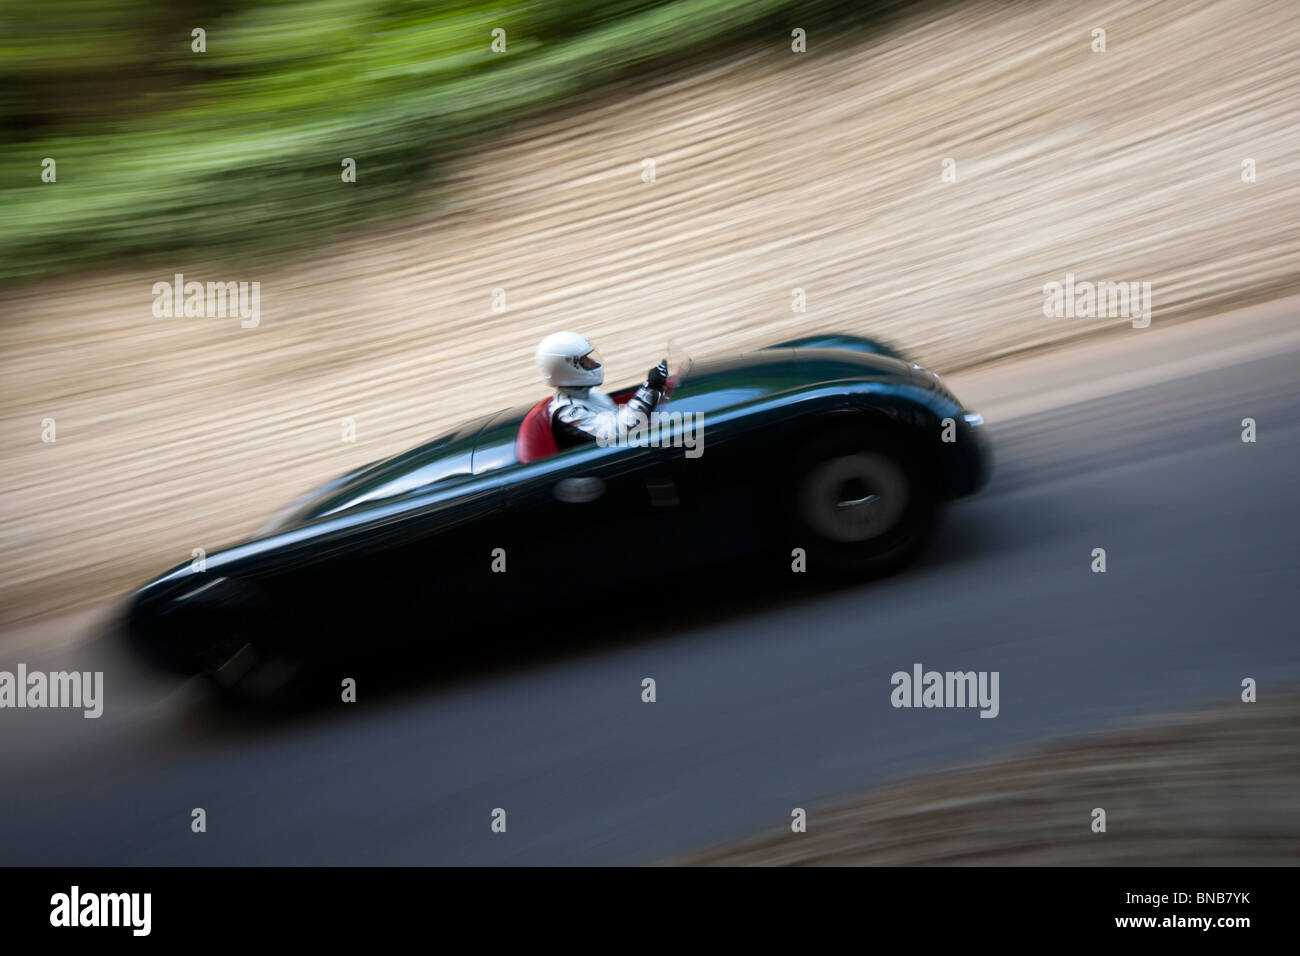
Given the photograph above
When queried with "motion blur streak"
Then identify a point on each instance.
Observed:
(786, 702)
(774, 171)
(919, 174)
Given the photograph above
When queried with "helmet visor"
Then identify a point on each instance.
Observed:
(590, 361)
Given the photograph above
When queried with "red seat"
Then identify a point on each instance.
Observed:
(535, 439)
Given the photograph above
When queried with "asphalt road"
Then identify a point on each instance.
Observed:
(766, 704)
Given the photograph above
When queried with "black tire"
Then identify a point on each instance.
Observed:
(241, 663)
(253, 676)
(860, 502)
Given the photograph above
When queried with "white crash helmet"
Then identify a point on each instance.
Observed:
(567, 360)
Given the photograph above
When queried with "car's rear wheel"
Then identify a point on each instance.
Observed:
(253, 675)
(861, 504)
(241, 662)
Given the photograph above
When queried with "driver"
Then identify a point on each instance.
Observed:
(581, 412)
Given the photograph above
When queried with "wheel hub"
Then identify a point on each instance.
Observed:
(854, 498)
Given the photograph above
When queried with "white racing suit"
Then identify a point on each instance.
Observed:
(581, 415)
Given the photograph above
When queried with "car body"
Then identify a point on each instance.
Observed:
(448, 533)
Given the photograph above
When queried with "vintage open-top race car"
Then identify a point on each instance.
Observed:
(832, 453)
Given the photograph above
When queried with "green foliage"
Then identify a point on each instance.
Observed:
(238, 149)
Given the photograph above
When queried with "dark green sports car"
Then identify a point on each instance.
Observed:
(831, 455)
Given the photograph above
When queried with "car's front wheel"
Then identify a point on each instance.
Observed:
(860, 506)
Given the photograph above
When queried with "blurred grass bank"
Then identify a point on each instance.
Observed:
(239, 148)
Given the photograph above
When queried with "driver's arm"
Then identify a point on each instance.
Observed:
(647, 396)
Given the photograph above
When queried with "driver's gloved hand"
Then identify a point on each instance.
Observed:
(657, 377)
